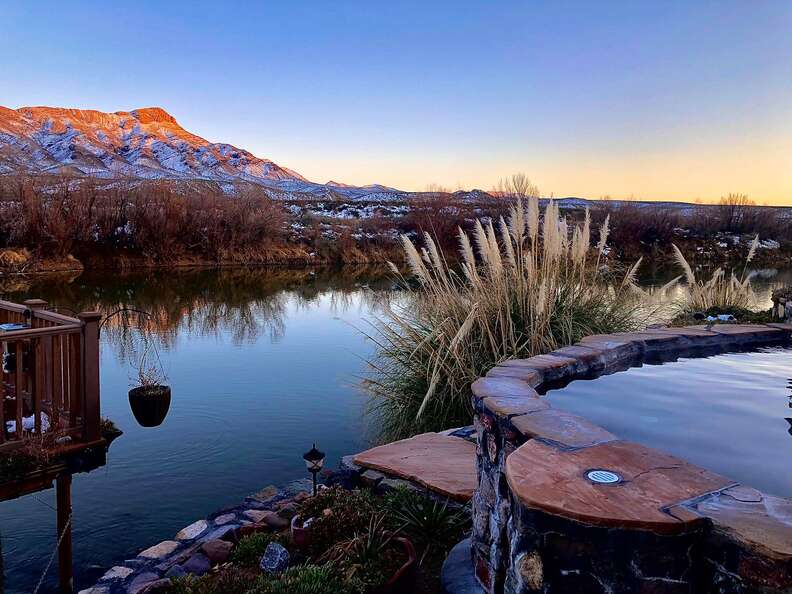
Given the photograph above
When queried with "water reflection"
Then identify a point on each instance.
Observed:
(247, 304)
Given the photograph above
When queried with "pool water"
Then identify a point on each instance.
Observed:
(728, 413)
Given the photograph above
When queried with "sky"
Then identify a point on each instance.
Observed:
(658, 100)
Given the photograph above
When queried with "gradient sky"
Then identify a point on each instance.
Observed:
(660, 100)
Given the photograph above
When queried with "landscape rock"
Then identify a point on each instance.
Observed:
(217, 551)
(289, 510)
(224, 519)
(175, 572)
(157, 586)
(141, 582)
(192, 531)
(266, 493)
(119, 572)
(275, 559)
(221, 533)
(161, 550)
(198, 564)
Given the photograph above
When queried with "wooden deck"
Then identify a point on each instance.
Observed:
(50, 378)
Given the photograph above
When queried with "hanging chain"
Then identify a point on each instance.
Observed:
(54, 552)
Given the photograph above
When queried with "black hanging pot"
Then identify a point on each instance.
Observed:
(150, 404)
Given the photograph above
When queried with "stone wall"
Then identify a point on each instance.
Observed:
(539, 524)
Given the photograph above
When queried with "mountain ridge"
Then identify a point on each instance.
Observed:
(145, 143)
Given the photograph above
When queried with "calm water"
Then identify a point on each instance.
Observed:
(262, 363)
(727, 413)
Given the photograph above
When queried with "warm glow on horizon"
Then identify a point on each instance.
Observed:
(657, 101)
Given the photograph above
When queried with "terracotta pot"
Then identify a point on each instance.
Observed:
(150, 404)
(403, 581)
(300, 535)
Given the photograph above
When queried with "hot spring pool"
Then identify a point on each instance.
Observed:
(728, 413)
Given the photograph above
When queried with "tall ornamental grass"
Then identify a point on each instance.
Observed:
(527, 286)
(722, 293)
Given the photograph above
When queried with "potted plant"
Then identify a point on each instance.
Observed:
(150, 398)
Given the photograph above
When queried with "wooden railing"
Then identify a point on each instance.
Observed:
(50, 377)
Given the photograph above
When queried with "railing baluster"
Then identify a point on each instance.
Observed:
(19, 383)
(36, 376)
(47, 379)
(2, 402)
(90, 376)
(58, 373)
(75, 381)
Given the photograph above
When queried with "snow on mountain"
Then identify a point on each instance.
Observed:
(144, 143)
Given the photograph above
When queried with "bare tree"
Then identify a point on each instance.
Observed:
(732, 210)
(518, 186)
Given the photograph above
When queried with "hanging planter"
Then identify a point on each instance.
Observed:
(150, 398)
(150, 404)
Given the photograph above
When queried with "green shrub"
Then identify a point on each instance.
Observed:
(337, 515)
(250, 549)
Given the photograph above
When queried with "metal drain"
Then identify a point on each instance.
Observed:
(603, 477)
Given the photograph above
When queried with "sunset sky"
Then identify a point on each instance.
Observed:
(659, 100)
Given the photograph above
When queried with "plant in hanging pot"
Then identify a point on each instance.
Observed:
(150, 398)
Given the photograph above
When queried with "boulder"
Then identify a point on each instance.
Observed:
(198, 564)
(217, 551)
(275, 559)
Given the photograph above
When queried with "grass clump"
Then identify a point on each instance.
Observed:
(250, 548)
(430, 524)
(305, 579)
(302, 579)
(527, 287)
(720, 294)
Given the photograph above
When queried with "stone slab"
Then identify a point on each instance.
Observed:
(509, 406)
(443, 464)
(749, 331)
(517, 369)
(589, 358)
(552, 480)
(552, 367)
(752, 517)
(487, 387)
(561, 427)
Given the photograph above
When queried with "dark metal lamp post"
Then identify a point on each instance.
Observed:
(314, 461)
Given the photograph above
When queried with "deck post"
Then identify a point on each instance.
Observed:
(90, 373)
(63, 497)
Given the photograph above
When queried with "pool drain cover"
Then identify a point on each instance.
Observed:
(603, 477)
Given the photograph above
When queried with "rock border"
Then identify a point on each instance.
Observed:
(196, 548)
(708, 536)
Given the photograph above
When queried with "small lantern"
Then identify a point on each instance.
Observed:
(314, 461)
